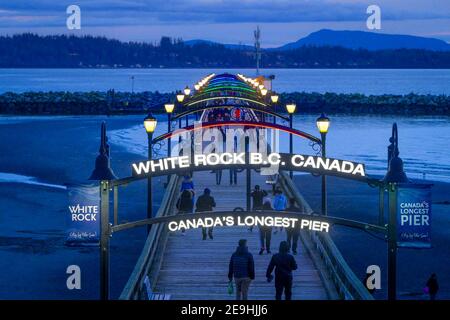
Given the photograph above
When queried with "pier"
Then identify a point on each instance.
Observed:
(177, 266)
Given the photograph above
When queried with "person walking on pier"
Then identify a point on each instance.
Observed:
(265, 232)
(257, 196)
(187, 184)
(279, 203)
(242, 269)
(283, 263)
(185, 204)
(206, 203)
(294, 232)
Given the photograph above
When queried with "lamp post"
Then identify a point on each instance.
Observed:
(150, 126)
(395, 175)
(274, 98)
(180, 97)
(290, 108)
(187, 91)
(323, 123)
(104, 174)
(169, 109)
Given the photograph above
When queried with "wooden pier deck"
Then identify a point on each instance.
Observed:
(197, 269)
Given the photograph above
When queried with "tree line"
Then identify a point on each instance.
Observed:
(61, 51)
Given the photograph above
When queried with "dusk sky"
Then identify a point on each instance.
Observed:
(226, 21)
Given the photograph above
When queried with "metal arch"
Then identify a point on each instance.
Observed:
(284, 214)
(187, 112)
(268, 125)
(191, 103)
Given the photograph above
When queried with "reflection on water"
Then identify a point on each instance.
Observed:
(371, 81)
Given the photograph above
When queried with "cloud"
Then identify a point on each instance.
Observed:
(228, 21)
(142, 12)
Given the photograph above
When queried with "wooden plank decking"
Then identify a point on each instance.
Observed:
(197, 269)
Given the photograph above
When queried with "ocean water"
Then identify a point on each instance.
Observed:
(366, 81)
(423, 142)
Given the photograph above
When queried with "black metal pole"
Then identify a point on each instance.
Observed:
(169, 142)
(392, 243)
(104, 240)
(187, 120)
(248, 173)
(324, 178)
(149, 183)
(291, 144)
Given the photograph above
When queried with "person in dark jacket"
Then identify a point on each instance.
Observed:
(265, 232)
(293, 233)
(242, 269)
(433, 286)
(205, 203)
(257, 196)
(185, 204)
(283, 263)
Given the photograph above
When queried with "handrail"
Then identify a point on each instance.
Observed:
(347, 284)
(133, 289)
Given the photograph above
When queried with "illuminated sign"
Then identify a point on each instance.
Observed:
(283, 161)
(268, 221)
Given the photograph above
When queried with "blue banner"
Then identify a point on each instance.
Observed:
(83, 215)
(414, 215)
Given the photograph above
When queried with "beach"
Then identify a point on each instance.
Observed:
(59, 151)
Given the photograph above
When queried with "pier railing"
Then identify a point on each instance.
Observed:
(150, 259)
(335, 269)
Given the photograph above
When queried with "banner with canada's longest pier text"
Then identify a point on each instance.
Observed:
(414, 215)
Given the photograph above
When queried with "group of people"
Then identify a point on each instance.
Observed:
(241, 266)
(204, 203)
(263, 201)
(242, 270)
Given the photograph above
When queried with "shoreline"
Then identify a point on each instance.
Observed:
(33, 257)
(113, 102)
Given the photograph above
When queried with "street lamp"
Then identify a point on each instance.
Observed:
(187, 91)
(323, 123)
(290, 108)
(180, 97)
(150, 126)
(263, 91)
(197, 87)
(169, 109)
(274, 98)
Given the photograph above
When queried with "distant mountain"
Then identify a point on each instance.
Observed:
(366, 40)
(228, 46)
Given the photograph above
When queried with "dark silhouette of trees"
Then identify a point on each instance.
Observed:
(60, 51)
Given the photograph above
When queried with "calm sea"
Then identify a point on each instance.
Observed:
(367, 81)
